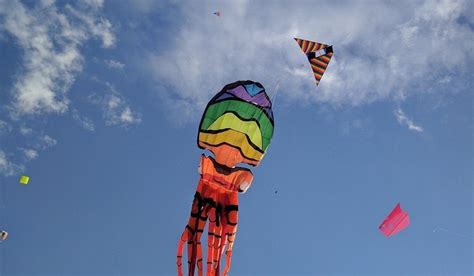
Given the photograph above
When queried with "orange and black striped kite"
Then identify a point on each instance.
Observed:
(319, 56)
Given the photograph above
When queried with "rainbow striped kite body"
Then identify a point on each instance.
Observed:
(237, 125)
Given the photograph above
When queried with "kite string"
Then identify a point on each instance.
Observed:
(272, 99)
(2, 219)
(452, 233)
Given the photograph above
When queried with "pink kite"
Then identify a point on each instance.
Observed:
(395, 222)
(218, 13)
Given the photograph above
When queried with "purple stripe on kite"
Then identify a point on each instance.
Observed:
(241, 93)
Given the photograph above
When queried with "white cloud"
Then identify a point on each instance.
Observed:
(30, 154)
(85, 122)
(25, 130)
(8, 168)
(94, 3)
(405, 121)
(4, 127)
(114, 64)
(37, 142)
(45, 142)
(51, 41)
(128, 117)
(98, 27)
(382, 50)
(115, 109)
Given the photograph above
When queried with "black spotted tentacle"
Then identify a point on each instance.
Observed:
(232, 217)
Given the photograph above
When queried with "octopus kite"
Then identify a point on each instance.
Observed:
(237, 127)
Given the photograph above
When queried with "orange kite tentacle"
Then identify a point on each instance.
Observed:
(216, 200)
(232, 217)
(189, 235)
(214, 240)
(201, 225)
(220, 249)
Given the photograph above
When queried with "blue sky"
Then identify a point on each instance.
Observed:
(100, 104)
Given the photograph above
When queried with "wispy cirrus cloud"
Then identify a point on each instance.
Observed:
(115, 108)
(45, 142)
(51, 39)
(383, 51)
(14, 163)
(117, 111)
(4, 127)
(405, 121)
(83, 121)
(30, 154)
(25, 130)
(7, 167)
(114, 64)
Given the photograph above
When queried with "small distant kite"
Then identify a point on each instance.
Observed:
(218, 13)
(24, 179)
(396, 221)
(318, 54)
(3, 235)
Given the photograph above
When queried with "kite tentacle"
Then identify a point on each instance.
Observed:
(179, 262)
(191, 235)
(195, 223)
(232, 217)
(214, 241)
(202, 223)
(220, 247)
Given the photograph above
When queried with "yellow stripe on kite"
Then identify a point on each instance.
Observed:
(250, 128)
(234, 138)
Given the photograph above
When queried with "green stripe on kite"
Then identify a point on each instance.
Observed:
(245, 111)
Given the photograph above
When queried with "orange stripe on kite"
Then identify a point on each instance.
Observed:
(317, 75)
(304, 45)
(318, 69)
(315, 47)
(324, 58)
(319, 63)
